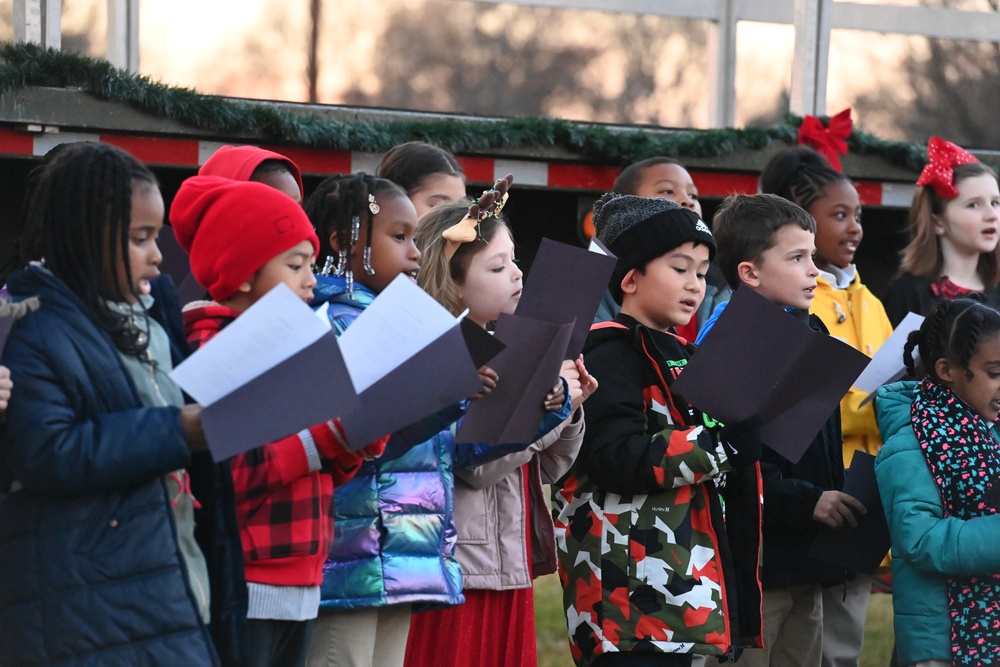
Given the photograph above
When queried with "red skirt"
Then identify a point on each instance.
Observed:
(492, 629)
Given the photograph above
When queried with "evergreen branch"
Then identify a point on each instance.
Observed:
(26, 65)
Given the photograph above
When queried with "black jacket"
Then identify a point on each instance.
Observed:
(910, 293)
(791, 492)
(622, 450)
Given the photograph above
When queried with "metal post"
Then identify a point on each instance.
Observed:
(123, 34)
(38, 21)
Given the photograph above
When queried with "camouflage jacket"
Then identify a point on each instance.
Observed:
(646, 558)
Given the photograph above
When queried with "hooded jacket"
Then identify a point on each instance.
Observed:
(855, 316)
(90, 568)
(394, 531)
(647, 562)
(238, 163)
(491, 505)
(283, 499)
(926, 545)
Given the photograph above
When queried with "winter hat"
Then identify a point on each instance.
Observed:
(638, 230)
(232, 228)
(239, 162)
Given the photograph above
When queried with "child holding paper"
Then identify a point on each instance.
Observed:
(245, 238)
(651, 572)
(766, 244)
(505, 531)
(937, 475)
(395, 535)
(98, 558)
(854, 315)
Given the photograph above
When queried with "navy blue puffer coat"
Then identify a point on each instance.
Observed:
(90, 570)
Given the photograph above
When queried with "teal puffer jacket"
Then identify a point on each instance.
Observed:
(926, 546)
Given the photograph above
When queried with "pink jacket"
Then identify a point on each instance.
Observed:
(490, 509)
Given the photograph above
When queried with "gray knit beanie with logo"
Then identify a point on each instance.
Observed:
(638, 230)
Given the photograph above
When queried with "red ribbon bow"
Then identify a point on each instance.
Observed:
(827, 140)
(939, 172)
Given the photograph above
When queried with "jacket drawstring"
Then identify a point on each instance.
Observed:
(183, 481)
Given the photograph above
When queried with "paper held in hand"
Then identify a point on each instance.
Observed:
(279, 368)
(759, 360)
(566, 284)
(887, 364)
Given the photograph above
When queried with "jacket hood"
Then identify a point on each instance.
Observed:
(626, 327)
(37, 281)
(892, 407)
(237, 163)
(30, 280)
(602, 332)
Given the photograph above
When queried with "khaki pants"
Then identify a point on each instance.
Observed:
(374, 637)
(793, 629)
(844, 621)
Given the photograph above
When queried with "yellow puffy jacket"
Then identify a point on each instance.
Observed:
(855, 316)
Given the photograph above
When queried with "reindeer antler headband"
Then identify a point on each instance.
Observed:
(489, 205)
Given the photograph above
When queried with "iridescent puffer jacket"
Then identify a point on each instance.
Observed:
(394, 535)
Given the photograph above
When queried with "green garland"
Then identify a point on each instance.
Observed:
(24, 65)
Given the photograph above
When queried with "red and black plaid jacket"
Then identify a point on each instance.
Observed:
(284, 510)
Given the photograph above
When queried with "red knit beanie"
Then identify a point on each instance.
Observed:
(232, 228)
(239, 163)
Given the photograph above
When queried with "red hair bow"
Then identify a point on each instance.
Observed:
(827, 140)
(939, 172)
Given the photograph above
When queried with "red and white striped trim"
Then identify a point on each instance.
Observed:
(535, 173)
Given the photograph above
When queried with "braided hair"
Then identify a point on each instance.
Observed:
(78, 220)
(798, 174)
(953, 330)
(338, 208)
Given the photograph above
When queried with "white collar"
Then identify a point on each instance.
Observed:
(840, 278)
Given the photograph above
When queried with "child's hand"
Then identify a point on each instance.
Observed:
(193, 432)
(489, 378)
(588, 383)
(373, 449)
(342, 449)
(554, 399)
(5, 386)
(834, 509)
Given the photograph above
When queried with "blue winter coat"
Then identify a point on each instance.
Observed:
(926, 547)
(90, 571)
(394, 535)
